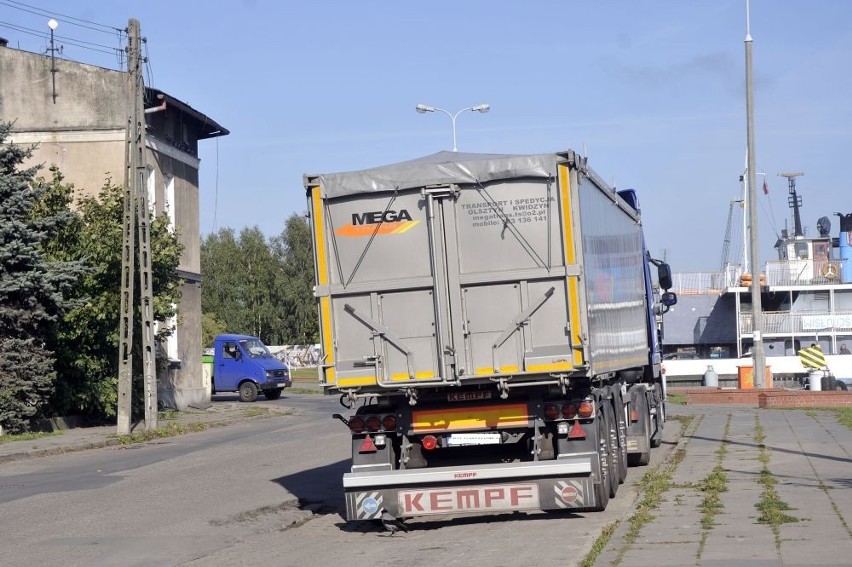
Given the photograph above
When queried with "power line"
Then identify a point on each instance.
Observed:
(65, 39)
(69, 19)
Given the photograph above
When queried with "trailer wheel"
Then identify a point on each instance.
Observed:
(248, 391)
(604, 458)
(612, 469)
(643, 458)
(620, 422)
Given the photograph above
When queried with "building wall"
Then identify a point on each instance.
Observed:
(702, 319)
(83, 133)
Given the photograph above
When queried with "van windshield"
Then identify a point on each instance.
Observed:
(255, 348)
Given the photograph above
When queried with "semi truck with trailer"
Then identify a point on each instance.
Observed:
(492, 325)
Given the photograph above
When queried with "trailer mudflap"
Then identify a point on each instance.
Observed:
(544, 485)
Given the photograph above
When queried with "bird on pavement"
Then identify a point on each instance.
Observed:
(392, 524)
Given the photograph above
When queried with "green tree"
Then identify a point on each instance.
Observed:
(210, 327)
(223, 273)
(293, 252)
(87, 342)
(261, 287)
(242, 283)
(34, 290)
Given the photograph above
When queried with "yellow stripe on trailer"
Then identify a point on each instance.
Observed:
(570, 259)
(418, 375)
(357, 381)
(322, 279)
(468, 418)
(812, 357)
(507, 369)
(551, 367)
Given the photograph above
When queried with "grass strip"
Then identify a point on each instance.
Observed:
(714, 484)
(772, 509)
(600, 544)
(171, 429)
(28, 436)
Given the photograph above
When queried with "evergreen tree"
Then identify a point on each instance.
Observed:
(33, 290)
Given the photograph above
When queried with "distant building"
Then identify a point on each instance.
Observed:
(80, 126)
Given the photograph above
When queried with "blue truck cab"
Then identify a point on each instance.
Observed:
(243, 364)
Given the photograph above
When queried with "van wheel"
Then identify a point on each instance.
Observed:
(248, 392)
(272, 394)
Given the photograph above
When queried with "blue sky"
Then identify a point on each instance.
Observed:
(653, 91)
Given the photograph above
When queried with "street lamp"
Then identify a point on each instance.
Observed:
(423, 109)
(53, 24)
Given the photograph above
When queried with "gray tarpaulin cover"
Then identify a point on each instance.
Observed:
(440, 168)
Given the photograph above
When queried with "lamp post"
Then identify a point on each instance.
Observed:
(757, 309)
(53, 24)
(423, 109)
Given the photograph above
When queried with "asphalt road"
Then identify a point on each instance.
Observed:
(260, 492)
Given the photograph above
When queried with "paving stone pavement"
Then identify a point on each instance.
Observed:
(806, 457)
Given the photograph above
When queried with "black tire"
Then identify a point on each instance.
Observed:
(612, 450)
(248, 391)
(272, 394)
(620, 421)
(604, 456)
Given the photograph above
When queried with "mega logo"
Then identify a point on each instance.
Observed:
(378, 222)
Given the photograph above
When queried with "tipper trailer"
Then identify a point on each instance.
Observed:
(491, 323)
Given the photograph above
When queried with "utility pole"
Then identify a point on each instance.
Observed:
(757, 309)
(136, 225)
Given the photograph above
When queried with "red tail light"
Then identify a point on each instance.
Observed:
(586, 409)
(430, 442)
(389, 423)
(551, 411)
(373, 423)
(569, 411)
(634, 415)
(356, 424)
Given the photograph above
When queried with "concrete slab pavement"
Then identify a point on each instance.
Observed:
(797, 459)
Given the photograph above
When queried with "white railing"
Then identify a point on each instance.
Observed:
(803, 272)
(777, 273)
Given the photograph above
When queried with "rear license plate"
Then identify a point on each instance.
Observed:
(459, 439)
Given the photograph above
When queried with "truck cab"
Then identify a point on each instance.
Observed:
(242, 363)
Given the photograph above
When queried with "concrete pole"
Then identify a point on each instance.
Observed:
(757, 309)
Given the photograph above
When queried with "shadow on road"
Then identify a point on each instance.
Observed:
(320, 489)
